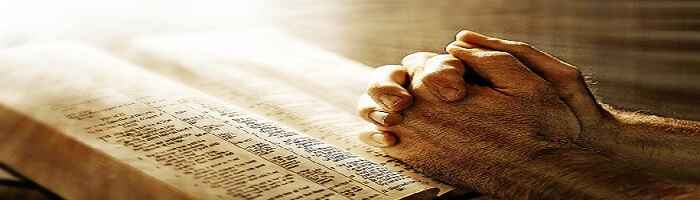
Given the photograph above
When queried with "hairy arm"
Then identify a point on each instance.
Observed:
(578, 174)
(582, 155)
(492, 141)
(662, 145)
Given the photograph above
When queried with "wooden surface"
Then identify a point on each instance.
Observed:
(13, 186)
(643, 55)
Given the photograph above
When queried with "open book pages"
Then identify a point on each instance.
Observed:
(272, 74)
(196, 117)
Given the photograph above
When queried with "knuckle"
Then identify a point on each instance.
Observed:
(445, 64)
(440, 58)
(416, 58)
(432, 77)
(444, 59)
(570, 78)
(571, 81)
(522, 46)
(461, 44)
(376, 87)
(571, 73)
(421, 54)
(463, 35)
(454, 50)
(502, 55)
(495, 57)
(443, 75)
(395, 73)
(422, 90)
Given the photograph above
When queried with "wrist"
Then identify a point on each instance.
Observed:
(663, 146)
(602, 132)
(576, 174)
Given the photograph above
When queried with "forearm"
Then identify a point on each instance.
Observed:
(667, 146)
(577, 174)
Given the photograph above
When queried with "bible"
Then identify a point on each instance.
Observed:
(246, 115)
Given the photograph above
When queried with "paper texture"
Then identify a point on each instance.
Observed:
(271, 73)
(209, 146)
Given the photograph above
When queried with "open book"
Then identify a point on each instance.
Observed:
(254, 115)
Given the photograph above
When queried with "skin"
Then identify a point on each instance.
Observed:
(511, 121)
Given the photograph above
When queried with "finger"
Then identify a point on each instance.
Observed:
(501, 69)
(443, 75)
(416, 60)
(379, 139)
(370, 111)
(386, 88)
(436, 77)
(565, 78)
(540, 62)
(548, 66)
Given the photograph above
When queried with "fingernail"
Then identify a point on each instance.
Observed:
(449, 94)
(378, 116)
(385, 118)
(379, 139)
(389, 101)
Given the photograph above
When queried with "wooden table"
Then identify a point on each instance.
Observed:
(13, 186)
(641, 55)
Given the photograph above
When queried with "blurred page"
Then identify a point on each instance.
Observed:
(195, 142)
(273, 74)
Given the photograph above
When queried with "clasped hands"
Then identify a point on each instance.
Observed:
(506, 119)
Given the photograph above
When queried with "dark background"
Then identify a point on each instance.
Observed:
(643, 55)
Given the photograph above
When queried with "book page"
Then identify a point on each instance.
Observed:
(195, 142)
(273, 74)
